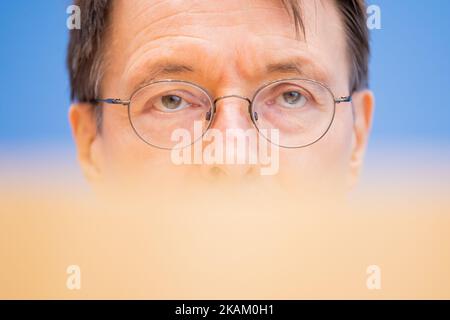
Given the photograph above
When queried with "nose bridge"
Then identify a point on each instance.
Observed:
(230, 112)
(232, 96)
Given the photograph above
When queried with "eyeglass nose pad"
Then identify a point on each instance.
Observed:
(208, 116)
(255, 114)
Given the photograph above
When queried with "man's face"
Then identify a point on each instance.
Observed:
(229, 48)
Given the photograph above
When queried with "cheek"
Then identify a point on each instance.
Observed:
(129, 162)
(325, 160)
(125, 155)
(120, 141)
(337, 144)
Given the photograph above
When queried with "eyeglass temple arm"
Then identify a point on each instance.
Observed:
(113, 101)
(343, 99)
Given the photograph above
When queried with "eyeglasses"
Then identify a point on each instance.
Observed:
(302, 110)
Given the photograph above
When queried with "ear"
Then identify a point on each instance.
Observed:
(84, 130)
(363, 107)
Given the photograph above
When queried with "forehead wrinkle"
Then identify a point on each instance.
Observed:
(238, 7)
(151, 18)
(139, 63)
(260, 59)
(213, 67)
(254, 61)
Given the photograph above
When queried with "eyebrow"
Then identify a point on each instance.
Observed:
(173, 68)
(163, 69)
(288, 67)
(159, 69)
(299, 66)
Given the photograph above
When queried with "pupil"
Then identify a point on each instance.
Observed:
(291, 97)
(171, 102)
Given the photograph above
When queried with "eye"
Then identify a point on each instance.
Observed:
(291, 100)
(170, 103)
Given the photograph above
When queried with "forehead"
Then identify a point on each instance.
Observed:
(239, 38)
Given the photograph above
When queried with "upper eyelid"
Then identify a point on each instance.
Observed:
(170, 92)
(303, 90)
(154, 80)
(175, 92)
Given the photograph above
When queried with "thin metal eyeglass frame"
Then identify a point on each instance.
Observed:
(127, 103)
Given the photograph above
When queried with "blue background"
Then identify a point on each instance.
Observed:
(410, 73)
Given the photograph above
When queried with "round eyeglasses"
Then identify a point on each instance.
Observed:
(302, 110)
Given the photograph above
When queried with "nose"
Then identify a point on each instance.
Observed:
(233, 132)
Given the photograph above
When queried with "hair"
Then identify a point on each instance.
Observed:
(86, 45)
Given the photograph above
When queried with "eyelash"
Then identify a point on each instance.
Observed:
(305, 93)
(190, 102)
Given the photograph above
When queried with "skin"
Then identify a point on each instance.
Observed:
(229, 47)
